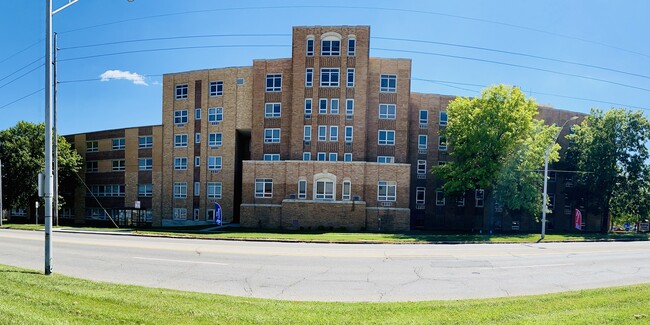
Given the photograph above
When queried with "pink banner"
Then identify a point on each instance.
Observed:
(578, 220)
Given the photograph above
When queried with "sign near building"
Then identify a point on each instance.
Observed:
(137, 205)
(217, 214)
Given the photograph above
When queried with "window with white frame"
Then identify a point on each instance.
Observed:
(119, 165)
(334, 106)
(348, 134)
(346, 190)
(460, 201)
(424, 116)
(197, 113)
(119, 144)
(145, 163)
(145, 141)
(181, 91)
(309, 77)
(272, 110)
(329, 77)
(324, 189)
(302, 189)
(180, 116)
(180, 163)
(216, 88)
(386, 138)
(479, 196)
(214, 162)
(263, 187)
(240, 81)
(321, 156)
(422, 167)
(330, 47)
(442, 143)
(420, 195)
(92, 146)
(334, 133)
(197, 161)
(308, 105)
(215, 114)
(310, 46)
(350, 77)
(214, 190)
(387, 111)
(272, 135)
(180, 214)
(197, 188)
(322, 106)
(440, 198)
(307, 133)
(386, 191)
(197, 137)
(388, 83)
(273, 82)
(333, 156)
(306, 156)
(92, 166)
(271, 156)
(352, 46)
(322, 133)
(180, 190)
(215, 139)
(145, 190)
(422, 142)
(385, 159)
(347, 156)
(180, 140)
(443, 118)
(349, 106)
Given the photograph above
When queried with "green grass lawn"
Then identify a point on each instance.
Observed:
(28, 297)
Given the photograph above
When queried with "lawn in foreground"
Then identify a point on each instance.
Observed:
(32, 298)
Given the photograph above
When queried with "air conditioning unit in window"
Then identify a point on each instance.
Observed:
(422, 151)
(180, 125)
(387, 204)
(348, 143)
(214, 123)
(307, 143)
(307, 115)
(349, 117)
(419, 207)
(423, 125)
(214, 171)
(422, 176)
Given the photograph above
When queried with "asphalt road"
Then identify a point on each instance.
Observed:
(332, 272)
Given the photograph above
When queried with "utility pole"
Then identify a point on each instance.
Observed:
(48, 137)
(55, 212)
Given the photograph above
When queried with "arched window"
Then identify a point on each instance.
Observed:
(310, 46)
(324, 188)
(330, 44)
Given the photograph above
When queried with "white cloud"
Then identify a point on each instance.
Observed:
(137, 79)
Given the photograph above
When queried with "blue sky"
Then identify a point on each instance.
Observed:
(463, 46)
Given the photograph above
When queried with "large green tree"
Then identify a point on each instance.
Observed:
(611, 149)
(497, 145)
(22, 150)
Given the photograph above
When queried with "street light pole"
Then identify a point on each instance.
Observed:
(48, 137)
(544, 195)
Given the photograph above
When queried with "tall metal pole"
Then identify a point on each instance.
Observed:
(48, 137)
(55, 212)
(544, 207)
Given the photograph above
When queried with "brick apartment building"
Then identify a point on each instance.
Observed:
(329, 138)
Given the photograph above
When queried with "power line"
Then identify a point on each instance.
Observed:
(22, 75)
(24, 67)
(21, 51)
(21, 98)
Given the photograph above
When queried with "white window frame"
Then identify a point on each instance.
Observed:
(334, 133)
(309, 48)
(180, 117)
(329, 77)
(349, 79)
(442, 143)
(324, 189)
(120, 145)
(197, 189)
(309, 77)
(332, 156)
(422, 167)
(120, 166)
(181, 91)
(349, 134)
(322, 133)
(197, 137)
(440, 198)
(388, 83)
(443, 118)
(387, 191)
(387, 111)
(215, 114)
(330, 47)
(306, 156)
(92, 146)
(321, 156)
(306, 135)
(209, 215)
(479, 198)
(352, 46)
(386, 159)
(264, 188)
(145, 190)
(302, 189)
(180, 190)
(420, 195)
(334, 106)
(215, 88)
(272, 110)
(197, 113)
(322, 105)
(196, 214)
(215, 139)
(386, 141)
(272, 135)
(214, 190)
(346, 190)
(308, 106)
(180, 163)
(423, 119)
(145, 141)
(180, 140)
(145, 163)
(271, 157)
(347, 156)
(197, 161)
(422, 141)
(276, 82)
(215, 162)
(349, 106)
(180, 214)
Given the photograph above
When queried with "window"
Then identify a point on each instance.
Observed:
(181, 91)
(350, 77)
(346, 190)
(119, 144)
(302, 189)
(551, 202)
(197, 137)
(352, 46)
(271, 135)
(209, 215)
(333, 156)
(180, 214)
(349, 107)
(263, 188)
(215, 139)
(387, 111)
(214, 162)
(322, 106)
(197, 188)
(111, 190)
(329, 77)
(215, 114)
(272, 110)
(197, 113)
(180, 163)
(180, 140)
(145, 141)
(442, 143)
(91, 166)
(307, 107)
(306, 156)
(422, 142)
(180, 190)
(348, 134)
(92, 146)
(385, 159)
(330, 47)
(386, 137)
(324, 189)
(388, 83)
(460, 201)
(478, 198)
(180, 117)
(309, 77)
(310, 46)
(240, 81)
(322, 133)
(214, 190)
(145, 163)
(216, 88)
(334, 133)
(119, 165)
(386, 191)
(334, 107)
(321, 156)
(440, 198)
(272, 156)
(273, 82)
(422, 167)
(420, 195)
(443, 118)
(196, 214)
(347, 156)
(307, 133)
(197, 161)
(424, 117)
(145, 190)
